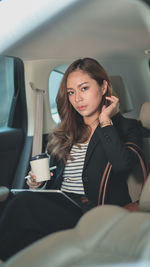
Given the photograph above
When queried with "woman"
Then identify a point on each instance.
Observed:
(92, 135)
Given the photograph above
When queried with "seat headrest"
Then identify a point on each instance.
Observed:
(144, 115)
(121, 91)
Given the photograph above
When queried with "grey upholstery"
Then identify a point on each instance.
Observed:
(105, 234)
(4, 193)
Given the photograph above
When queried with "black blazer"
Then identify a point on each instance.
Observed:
(107, 144)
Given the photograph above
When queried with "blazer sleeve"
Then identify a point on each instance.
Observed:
(114, 139)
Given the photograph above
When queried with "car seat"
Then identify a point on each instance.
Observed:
(106, 234)
(135, 179)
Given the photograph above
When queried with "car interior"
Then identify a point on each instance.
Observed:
(37, 45)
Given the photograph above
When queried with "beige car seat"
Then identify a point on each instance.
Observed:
(145, 118)
(105, 234)
(135, 179)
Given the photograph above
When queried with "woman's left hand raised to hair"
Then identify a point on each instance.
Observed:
(108, 111)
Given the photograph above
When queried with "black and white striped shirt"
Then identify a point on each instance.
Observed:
(72, 175)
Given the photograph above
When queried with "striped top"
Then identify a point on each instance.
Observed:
(72, 176)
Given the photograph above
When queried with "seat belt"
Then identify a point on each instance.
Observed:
(38, 120)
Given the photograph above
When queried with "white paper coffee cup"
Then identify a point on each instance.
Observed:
(40, 167)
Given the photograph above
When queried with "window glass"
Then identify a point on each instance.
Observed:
(6, 88)
(54, 83)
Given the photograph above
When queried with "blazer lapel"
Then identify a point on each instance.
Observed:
(93, 142)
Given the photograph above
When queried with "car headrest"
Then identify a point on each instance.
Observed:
(144, 115)
(121, 91)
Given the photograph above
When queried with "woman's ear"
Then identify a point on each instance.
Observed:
(104, 87)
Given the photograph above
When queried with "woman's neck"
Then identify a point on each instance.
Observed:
(93, 123)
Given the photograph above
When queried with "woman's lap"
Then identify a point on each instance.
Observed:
(29, 216)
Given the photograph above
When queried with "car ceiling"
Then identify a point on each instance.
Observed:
(84, 27)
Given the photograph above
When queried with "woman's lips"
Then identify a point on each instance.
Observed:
(81, 108)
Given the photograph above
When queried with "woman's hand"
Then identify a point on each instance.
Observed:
(32, 183)
(111, 110)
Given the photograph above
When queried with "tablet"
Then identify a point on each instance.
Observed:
(52, 194)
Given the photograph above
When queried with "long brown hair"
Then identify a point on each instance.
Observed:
(72, 128)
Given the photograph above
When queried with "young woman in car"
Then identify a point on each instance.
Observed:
(89, 145)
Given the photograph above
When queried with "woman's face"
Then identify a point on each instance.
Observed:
(84, 94)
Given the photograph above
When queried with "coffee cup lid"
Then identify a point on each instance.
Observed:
(40, 156)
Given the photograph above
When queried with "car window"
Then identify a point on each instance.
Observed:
(6, 88)
(54, 83)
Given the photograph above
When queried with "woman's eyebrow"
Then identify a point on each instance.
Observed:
(69, 89)
(82, 84)
(77, 86)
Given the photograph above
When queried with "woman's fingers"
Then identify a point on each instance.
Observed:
(111, 110)
(113, 99)
(31, 182)
(32, 176)
(115, 104)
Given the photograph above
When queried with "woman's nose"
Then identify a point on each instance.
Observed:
(78, 97)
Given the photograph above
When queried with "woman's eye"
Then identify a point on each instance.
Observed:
(70, 93)
(84, 88)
